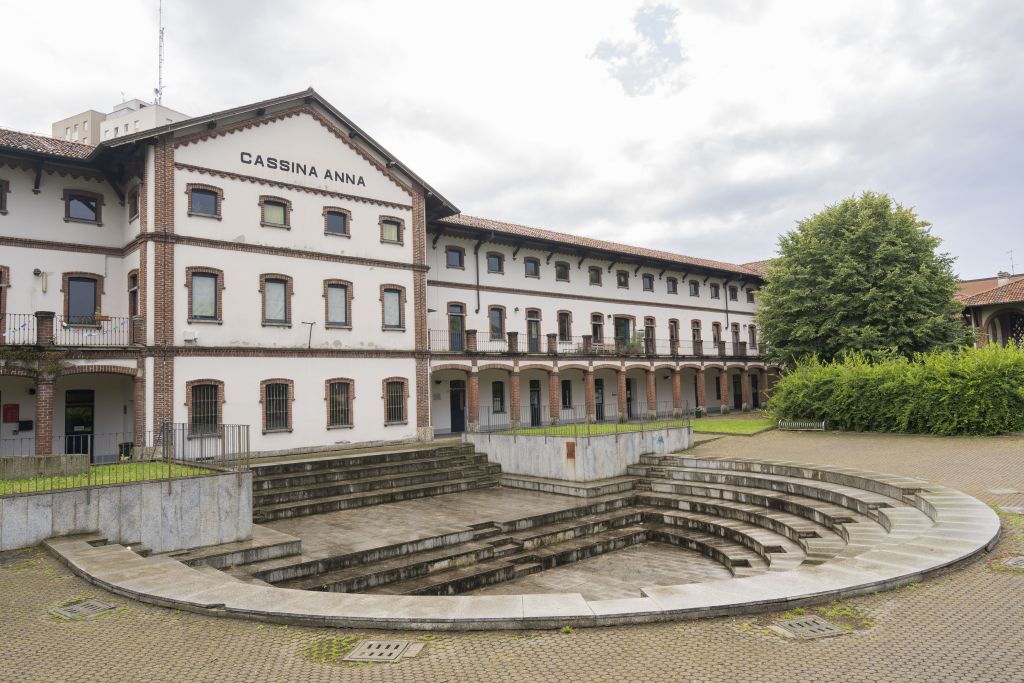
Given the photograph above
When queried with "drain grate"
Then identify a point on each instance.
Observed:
(80, 610)
(807, 628)
(1015, 562)
(378, 651)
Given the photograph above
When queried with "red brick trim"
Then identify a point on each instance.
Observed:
(263, 403)
(568, 271)
(351, 402)
(210, 188)
(66, 198)
(670, 280)
(204, 270)
(348, 221)
(348, 305)
(401, 308)
(617, 274)
(607, 366)
(462, 257)
(76, 273)
(264, 199)
(5, 284)
(288, 292)
(451, 366)
(600, 276)
(537, 366)
(495, 366)
(5, 188)
(405, 396)
(220, 397)
(401, 229)
(100, 370)
(531, 259)
(501, 257)
(573, 366)
(503, 318)
(558, 318)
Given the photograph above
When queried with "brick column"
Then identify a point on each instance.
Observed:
(745, 389)
(513, 394)
(702, 392)
(698, 348)
(552, 343)
(652, 393)
(677, 392)
(762, 387)
(513, 342)
(723, 389)
(44, 415)
(139, 406)
(471, 340)
(588, 343)
(473, 401)
(620, 382)
(554, 396)
(588, 394)
(44, 328)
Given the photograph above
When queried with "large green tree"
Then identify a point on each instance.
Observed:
(862, 275)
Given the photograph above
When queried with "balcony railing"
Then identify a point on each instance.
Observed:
(47, 329)
(470, 341)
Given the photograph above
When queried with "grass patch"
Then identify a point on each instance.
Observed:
(725, 425)
(100, 475)
(594, 429)
(330, 649)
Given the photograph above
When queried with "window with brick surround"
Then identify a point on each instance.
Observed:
(695, 330)
(277, 395)
(340, 396)
(496, 321)
(595, 275)
(564, 326)
(337, 221)
(82, 206)
(205, 287)
(391, 230)
(133, 205)
(672, 285)
(204, 200)
(716, 292)
(750, 296)
(338, 303)
(562, 271)
(396, 395)
(495, 262)
(275, 212)
(82, 298)
(133, 293)
(734, 293)
(204, 398)
(531, 266)
(392, 301)
(277, 299)
(622, 279)
(694, 288)
(648, 282)
(5, 187)
(455, 257)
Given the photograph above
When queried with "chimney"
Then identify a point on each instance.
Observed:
(1002, 278)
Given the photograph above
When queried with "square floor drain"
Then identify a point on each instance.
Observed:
(807, 627)
(378, 651)
(83, 609)
(1015, 562)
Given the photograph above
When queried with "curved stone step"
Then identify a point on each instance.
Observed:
(343, 472)
(780, 553)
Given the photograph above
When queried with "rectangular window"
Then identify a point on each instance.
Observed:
(133, 205)
(694, 288)
(391, 231)
(495, 263)
(734, 293)
(672, 285)
(82, 301)
(275, 301)
(336, 223)
(562, 271)
(622, 279)
(716, 292)
(750, 296)
(454, 257)
(595, 275)
(133, 294)
(564, 326)
(497, 323)
(532, 267)
(648, 282)
(204, 296)
(597, 328)
(566, 393)
(275, 407)
(275, 213)
(395, 402)
(205, 407)
(204, 203)
(392, 308)
(337, 305)
(339, 404)
(497, 397)
(83, 208)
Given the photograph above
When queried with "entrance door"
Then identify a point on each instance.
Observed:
(629, 399)
(79, 409)
(737, 392)
(533, 331)
(623, 334)
(458, 405)
(755, 393)
(534, 402)
(599, 400)
(456, 327)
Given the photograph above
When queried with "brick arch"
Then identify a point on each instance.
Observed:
(691, 366)
(573, 366)
(714, 366)
(451, 366)
(495, 366)
(100, 370)
(665, 366)
(1019, 310)
(734, 365)
(607, 366)
(536, 366)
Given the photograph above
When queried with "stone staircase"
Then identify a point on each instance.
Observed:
(328, 482)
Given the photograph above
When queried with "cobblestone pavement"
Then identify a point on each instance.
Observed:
(964, 625)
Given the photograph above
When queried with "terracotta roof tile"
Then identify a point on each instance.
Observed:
(968, 288)
(39, 144)
(1009, 293)
(589, 243)
(759, 267)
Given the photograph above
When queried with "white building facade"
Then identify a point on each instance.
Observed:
(272, 265)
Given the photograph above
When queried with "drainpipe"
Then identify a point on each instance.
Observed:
(476, 263)
(725, 295)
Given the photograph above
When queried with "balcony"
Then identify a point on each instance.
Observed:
(46, 329)
(515, 343)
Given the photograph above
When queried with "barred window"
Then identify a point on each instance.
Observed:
(275, 407)
(205, 409)
(394, 393)
(339, 404)
(497, 397)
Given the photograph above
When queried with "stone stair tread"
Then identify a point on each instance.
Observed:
(262, 537)
(327, 456)
(440, 474)
(358, 472)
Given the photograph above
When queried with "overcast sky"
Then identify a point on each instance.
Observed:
(704, 127)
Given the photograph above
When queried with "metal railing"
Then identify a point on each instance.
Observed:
(470, 341)
(174, 451)
(535, 420)
(18, 328)
(91, 331)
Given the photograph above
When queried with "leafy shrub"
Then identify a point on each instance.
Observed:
(967, 391)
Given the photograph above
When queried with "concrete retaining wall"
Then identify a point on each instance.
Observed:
(596, 457)
(29, 466)
(200, 511)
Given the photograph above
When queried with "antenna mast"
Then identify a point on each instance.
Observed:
(159, 91)
(1013, 268)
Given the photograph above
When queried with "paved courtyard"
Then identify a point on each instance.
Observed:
(964, 625)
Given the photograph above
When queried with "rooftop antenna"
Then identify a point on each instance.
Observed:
(159, 90)
(1013, 269)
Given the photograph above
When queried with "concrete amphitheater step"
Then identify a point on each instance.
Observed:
(347, 472)
(265, 544)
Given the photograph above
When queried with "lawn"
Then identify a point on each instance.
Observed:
(716, 425)
(99, 475)
(725, 425)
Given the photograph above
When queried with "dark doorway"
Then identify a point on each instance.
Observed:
(737, 392)
(599, 400)
(534, 402)
(629, 399)
(79, 412)
(457, 389)
(456, 327)
(623, 334)
(755, 391)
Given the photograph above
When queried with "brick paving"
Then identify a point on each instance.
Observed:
(964, 625)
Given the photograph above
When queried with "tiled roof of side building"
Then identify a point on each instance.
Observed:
(40, 144)
(968, 288)
(1009, 293)
(512, 229)
(759, 267)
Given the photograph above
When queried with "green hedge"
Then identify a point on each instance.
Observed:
(971, 391)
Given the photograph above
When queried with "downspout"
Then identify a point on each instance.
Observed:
(725, 295)
(476, 262)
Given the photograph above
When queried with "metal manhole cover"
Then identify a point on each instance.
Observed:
(80, 610)
(377, 651)
(1015, 562)
(807, 627)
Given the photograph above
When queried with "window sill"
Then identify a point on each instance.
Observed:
(206, 321)
(337, 326)
(490, 272)
(395, 424)
(204, 435)
(82, 220)
(533, 277)
(456, 267)
(392, 329)
(392, 242)
(286, 430)
(275, 324)
(215, 216)
(329, 427)
(558, 280)
(338, 234)
(281, 226)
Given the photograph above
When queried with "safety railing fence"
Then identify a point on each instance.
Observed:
(472, 341)
(18, 328)
(94, 330)
(577, 421)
